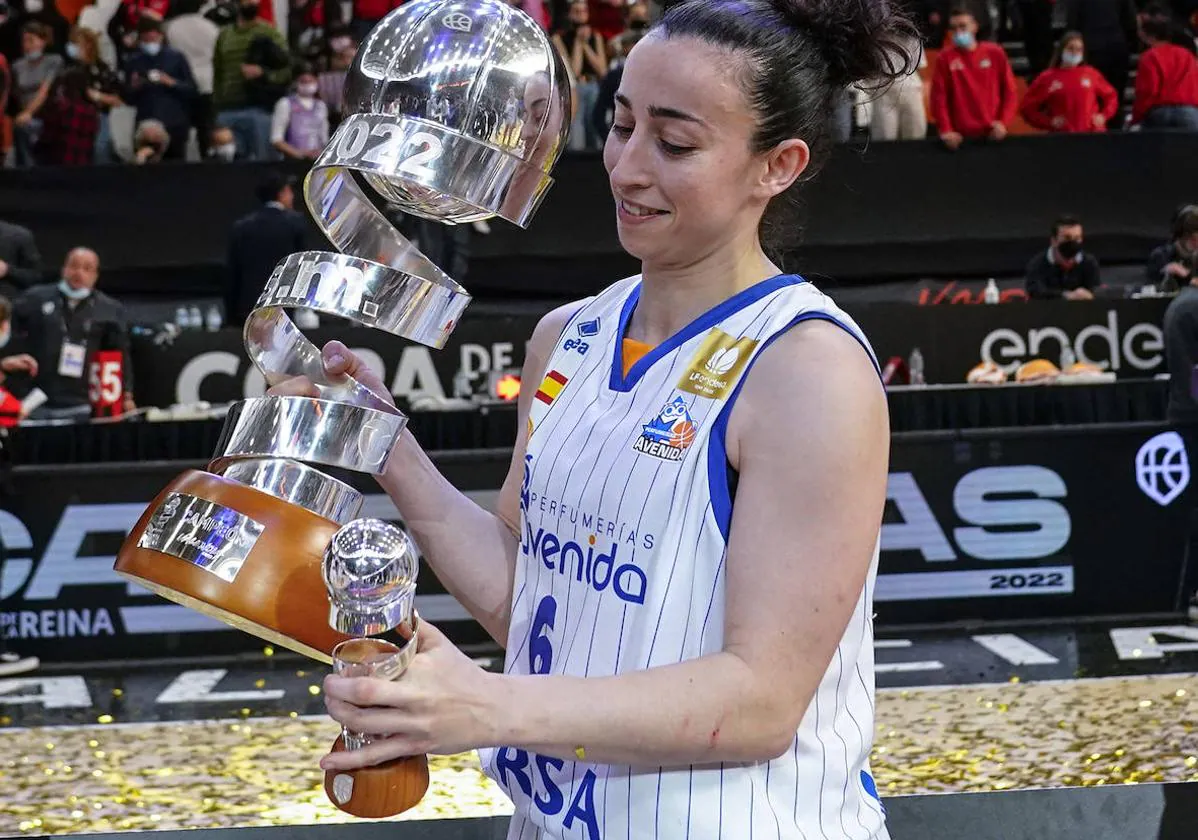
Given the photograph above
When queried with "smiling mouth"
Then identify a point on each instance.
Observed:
(639, 209)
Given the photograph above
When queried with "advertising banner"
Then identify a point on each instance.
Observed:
(993, 527)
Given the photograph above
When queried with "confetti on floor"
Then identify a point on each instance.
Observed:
(264, 771)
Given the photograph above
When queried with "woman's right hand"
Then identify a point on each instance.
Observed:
(339, 361)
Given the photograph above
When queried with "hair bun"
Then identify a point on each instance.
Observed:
(862, 40)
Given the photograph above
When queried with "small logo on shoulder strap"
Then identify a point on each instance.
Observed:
(717, 365)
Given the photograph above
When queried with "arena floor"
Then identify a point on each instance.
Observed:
(236, 741)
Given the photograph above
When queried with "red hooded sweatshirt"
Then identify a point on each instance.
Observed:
(1167, 75)
(1067, 99)
(972, 90)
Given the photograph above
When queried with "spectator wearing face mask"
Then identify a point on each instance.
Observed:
(1064, 271)
(150, 142)
(161, 87)
(100, 83)
(25, 12)
(636, 22)
(222, 145)
(300, 128)
(1173, 264)
(1110, 31)
(1070, 96)
(1166, 79)
(233, 94)
(973, 89)
(70, 121)
(62, 326)
(195, 36)
(331, 82)
(33, 77)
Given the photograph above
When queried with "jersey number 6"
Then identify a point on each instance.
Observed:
(540, 648)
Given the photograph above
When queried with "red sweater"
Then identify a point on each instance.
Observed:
(1167, 75)
(972, 90)
(1066, 99)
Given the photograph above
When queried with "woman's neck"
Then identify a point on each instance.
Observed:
(673, 297)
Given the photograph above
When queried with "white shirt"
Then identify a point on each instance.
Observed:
(195, 36)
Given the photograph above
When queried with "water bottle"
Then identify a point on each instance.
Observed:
(1068, 359)
(213, 320)
(915, 363)
(991, 293)
(196, 319)
(181, 318)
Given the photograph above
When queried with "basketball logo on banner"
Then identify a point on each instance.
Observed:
(1162, 468)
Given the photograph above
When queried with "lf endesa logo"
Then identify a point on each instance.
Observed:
(1098, 344)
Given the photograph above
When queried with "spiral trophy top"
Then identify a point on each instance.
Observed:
(483, 90)
(456, 111)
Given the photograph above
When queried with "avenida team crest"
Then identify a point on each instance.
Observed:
(669, 434)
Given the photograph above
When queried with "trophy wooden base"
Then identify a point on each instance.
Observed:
(377, 792)
(277, 593)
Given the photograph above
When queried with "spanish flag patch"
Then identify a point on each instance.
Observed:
(551, 387)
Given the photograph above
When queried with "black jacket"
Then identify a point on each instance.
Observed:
(19, 251)
(256, 245)
(43, 320)
(1047, 279)
(1154, 269)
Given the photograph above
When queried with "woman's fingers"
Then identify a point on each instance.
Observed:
(297, 386)
(370, 755)
(339, 361)
(373, 721)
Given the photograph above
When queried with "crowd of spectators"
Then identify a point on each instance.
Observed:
(142, 81)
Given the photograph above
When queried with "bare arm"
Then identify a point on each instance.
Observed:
(471, 550)
(809, 437)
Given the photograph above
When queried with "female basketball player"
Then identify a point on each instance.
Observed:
(682, 561)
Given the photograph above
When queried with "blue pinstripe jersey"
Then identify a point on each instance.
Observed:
(625, 511)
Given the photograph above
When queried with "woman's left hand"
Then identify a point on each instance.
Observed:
(443, 704)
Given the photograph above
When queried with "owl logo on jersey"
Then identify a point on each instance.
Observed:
(669, 434)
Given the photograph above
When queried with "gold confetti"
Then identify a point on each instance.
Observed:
(314, 690)
(104, 719)
(259, 683)
(116, 692)
(268, 651)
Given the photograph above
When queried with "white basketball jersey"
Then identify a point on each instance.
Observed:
(625, 510)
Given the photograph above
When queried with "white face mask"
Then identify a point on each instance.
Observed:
(306, 90)
(33, 7)
(226, 152)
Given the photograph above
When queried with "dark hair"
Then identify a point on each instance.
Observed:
(1060, 47)
(961, 11)
(38, 30)
(1185, 221)
(800, 57)
(272, 184)
(1065, 221)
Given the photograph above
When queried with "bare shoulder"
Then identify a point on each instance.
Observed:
(816, 382)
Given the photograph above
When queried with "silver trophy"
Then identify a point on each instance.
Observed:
(456, 111)
(369, 571)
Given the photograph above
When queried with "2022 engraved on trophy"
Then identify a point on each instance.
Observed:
(432, 131)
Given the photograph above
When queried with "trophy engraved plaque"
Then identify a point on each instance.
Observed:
(370, 572)
(456, 111)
